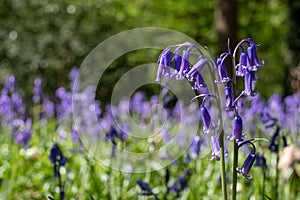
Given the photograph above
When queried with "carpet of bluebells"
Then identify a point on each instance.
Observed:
(43, 157)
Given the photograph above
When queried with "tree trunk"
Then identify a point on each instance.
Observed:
(226, 26)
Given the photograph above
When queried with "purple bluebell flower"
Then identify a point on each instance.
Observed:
(215, 148)
(237, 129)
(253, 61)
(249, 80)
(229, 98)
(23, 134)
(17, 104)
(37, 91)
(247, 166)
(260, 161)
(48, 107)
(180, 184)
(10, 85)
(164, 64)
(206, 119)
(223, 78)
(146, 189)
(242, 65)
(273, 147)
(185, 64)
(196, 146)
(177, 61)
(57, 158)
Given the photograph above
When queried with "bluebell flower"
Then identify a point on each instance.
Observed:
(253, 61)
(223, 78)
(260, 161)
(237, 129)
(177, 61)
(180, 184)
(23, 135)
(146, 189)
(10, 85)
(245, 169)
(206, 119)
(249, 80)
(273, 147)
(37, 91)
(164, 64)
(229, 98)
(57, 158)
(242, 65)
(185, 64)
(215, 148)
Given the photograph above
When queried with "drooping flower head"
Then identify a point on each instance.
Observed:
(182, 67)
(245, 169)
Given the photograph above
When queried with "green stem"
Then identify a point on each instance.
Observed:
(223, 170)
(221, 137)
(234, 172)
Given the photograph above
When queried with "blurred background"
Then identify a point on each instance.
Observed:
(46, 38)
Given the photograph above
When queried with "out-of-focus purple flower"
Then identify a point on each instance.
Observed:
(74, 76)
(180, 184)
(17, 104)
(237, 129)
(215, 148)
(247, 166)
(273, 147)
(37, 91)
(75, 135)
(260, 161)
(196, 146)
(48, 107)
(57, 158)
(5, 106)
(10, 85)
(146, 189)
(206, 119)
(64, 108)
(23, 134)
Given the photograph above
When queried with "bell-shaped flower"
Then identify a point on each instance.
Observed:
(206, 119)
(245, 169)
(237, 129)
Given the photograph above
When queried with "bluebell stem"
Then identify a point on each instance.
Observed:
(245, 169)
